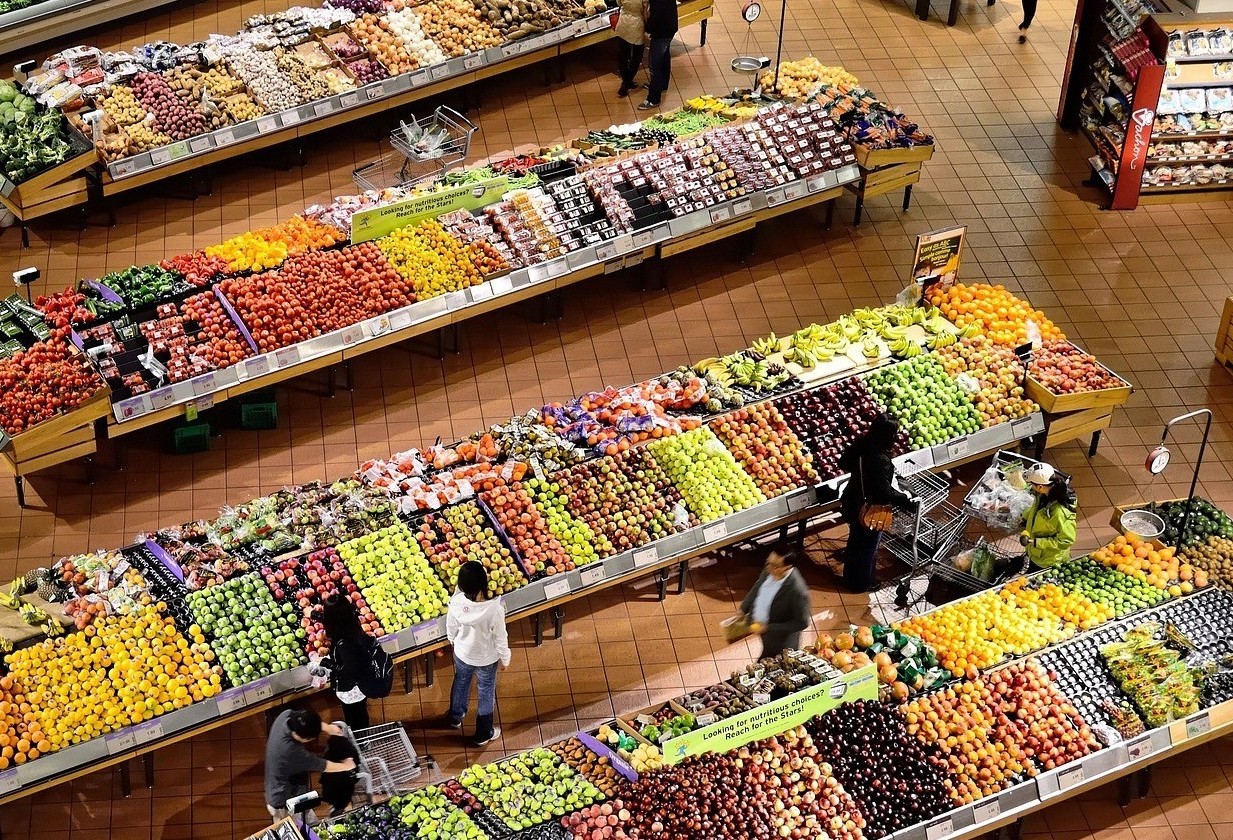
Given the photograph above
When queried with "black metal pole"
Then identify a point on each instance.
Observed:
(783, 20)
(1194, 482)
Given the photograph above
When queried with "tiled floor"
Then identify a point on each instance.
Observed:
(1142, 290)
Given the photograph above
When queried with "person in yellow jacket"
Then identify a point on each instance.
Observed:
(1049, 524)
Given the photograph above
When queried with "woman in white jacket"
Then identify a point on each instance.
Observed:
(475, 626)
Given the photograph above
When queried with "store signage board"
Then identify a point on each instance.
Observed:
(938, 255)
(774, 717)
(382, 221)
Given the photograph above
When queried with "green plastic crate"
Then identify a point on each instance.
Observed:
(259, 411)
(191, 437)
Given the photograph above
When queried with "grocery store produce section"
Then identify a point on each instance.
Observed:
(565, 499)
(952, 722)
(286, 299)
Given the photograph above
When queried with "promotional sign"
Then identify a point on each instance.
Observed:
(938, 255)
(384, 220)
(1138, 138)
(774, 717)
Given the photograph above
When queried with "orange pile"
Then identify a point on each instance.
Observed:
(21, 737)
(995, 311)
(1159, 567)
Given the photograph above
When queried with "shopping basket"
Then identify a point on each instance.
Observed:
(388, 763)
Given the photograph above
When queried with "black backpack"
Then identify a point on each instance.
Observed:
(376, 680)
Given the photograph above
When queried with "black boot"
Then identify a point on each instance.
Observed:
(484, 731)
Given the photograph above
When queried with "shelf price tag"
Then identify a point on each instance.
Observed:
(793, 191)
(499, 285)
(761, 698)
(375, 91)
(1141, 747)
(940, 829)
(426, 634)
(958, 449)
(472, 61)
(200, 144)
(323, 108)
(605, 252)
(8, 781)
(646, 557)
(160, 157)
(203, 384)
(123, 168)
(161, 398)
(1067, 779)
(440, 72)
(592, 576)
(643, 238)
(715, 531)
(349, 100)
(816, 183)
(287, 356)
(481, 292)
(291, 117)
(1198, 725)
(121, 741)
(556, 589)
(742, 207)
(798, 502)
(258, 692)
(720, 214)
(130, 408)
(705, 719)
(775, 196)
(267, 124)
(352, 335)
(378, 325)
(230, 701)
(224, 137)
(147, 732)
(985, 811)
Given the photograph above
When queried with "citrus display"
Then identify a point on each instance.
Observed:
(994, 311)
(1153, 564)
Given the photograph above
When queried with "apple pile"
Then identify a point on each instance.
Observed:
(992, 375)
(253, 635)
(605, 821)
(308, 582)
(581, 543)
(394, 576)
(528, 531)
(1045, 725)
(929, 405)
(970, 741)
(461, 533)
(316, 293)
(431, 814)
(828, 419)
(529, 788)
(882, 766)
(759, 438)
(1063, 368)
(708, 477)
(625, 498)
(43, 381)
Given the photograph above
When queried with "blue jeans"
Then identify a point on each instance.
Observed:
(460, 692)
(859, 565)
(660, 66)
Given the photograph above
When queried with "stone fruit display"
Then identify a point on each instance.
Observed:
(528, 531)
(461, 533)
(307, 582)
(1044, 724)
(1002, 317)
(627, 498)
(991, 375)
(529, 788)
(394, 577)
(708, 477)
(1065, 369)
(252, 634)
(760, 440)
(928, 404)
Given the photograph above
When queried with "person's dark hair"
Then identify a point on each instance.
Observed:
(340, 618)
(473, 580)
(1060, 493)
(305, 722)
(881, 434)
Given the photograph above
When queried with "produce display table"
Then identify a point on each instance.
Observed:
(1072, 416)
(59, 188)
(887, 170)
(59, 440)
(1224, 335)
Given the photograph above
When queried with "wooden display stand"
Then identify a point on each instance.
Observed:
(59, 440)
(886, 170)
(1224, 335)
(59, 188)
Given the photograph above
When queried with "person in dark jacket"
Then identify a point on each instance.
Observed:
(350, 657)
(868, 463)
(661, 28)
(778, 606)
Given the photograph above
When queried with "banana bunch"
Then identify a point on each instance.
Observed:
(941, 339)
(905, 348)
(800, 356)
(32, 614)
(870, 348)
(714, 369)
(767, 345)
(745, 371)
(708, 104)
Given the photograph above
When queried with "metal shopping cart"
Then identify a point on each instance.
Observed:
(426, 148)
(388, 763)
(919, 538)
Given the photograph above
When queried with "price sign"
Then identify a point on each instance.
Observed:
(715, 531)
(427, 634)
(128, 409)
(1140, 747)
(258, 692)
(121, 741)
(8, 781)
(592, 576)
(291, 117)
(440, 72)
(160, 157)
(645, 557)
(720, 214)
(499, 285)
(958, 449)
(985, 811)
(379, 325)
(203, 384)
(224, 137)
(761, 698)
(1198, 725)
(556, 589)
(705, 719)
(643, 238)
(349, 100)
(267, 124)
(230, 701)
(816, 183)
(472, 61)
(791, 192)
(774, 197)
(605, 252)
(352, 335)
(287, 356)
(161, 398)
(199, 144)
(400, 319)
(940, 829)
(511, 50)
(375, 91)
(1067, 779)
(623, 243)
(742, 207)
(323, 108)
(538, 273)
(148, 732)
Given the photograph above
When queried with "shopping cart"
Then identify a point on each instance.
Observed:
(388, 763)
(426, 148)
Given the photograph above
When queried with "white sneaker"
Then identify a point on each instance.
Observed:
(496, 733)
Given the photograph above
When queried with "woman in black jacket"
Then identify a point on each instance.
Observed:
(868, 463)
(778, 606)
(350, 657)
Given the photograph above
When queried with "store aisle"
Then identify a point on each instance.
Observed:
(1140, 290)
